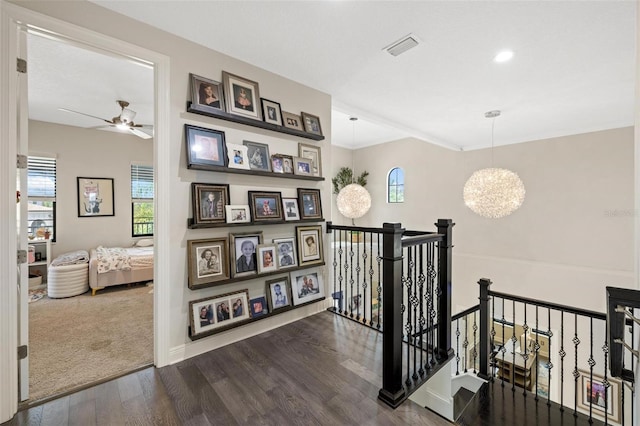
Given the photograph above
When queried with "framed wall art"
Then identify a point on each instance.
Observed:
(206, 94)
(208, 202)
(309, 245)
(208, 261)
(591, 395)
(205, 148)
(292, 121)
(302, 166)
(238, 213)
(258, 155)
(307, 285)
(310, 204)
(266, 257)
(279, 293)
(258, 306)
(311, 123)
(95, 197)
(214, 312)
(265, 205)
(243, 253)
(271, 112)
(291, 211)
(242, 96)
(286, 252)
(238, 156)
(312, 153)
(282, 163)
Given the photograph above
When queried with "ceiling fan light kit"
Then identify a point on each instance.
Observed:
(124, 121)
(493, 192)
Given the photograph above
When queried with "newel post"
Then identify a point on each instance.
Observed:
(392, 392)
(484, 346)
(445, 249)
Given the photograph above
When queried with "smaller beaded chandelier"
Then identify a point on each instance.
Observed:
(493, 193)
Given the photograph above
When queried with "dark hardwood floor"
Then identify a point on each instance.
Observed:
(322, 370)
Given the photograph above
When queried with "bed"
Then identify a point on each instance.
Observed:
(116, 266)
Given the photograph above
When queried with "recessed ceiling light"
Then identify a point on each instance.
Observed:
(503, 56)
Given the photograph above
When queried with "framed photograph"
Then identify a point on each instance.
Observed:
(282, 163)
(290, 206)
(208, 261)
(271, 112)
(218, 311)
(243, 253)
(266, 257)
(302, 166)
(95, 197)
(286, 252)
(206, 94)
(312, 153)
(208, 202)
(258, 306)
(356, 303)
(237, 213)
(307, 285)
(292, 121)
(279, 293)
(258, 154)
(265, 205)
(310, 204)
(205, 148)
(591, 394)
(238, 157)
(242, 96)
(311, 123)
(309, 245)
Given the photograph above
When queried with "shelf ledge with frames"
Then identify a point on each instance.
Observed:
(251, 122)
(224, 169)
(192, 225)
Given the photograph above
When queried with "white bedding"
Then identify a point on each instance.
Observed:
(123, 259)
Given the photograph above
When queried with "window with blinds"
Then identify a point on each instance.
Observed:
(142, 200)
(41, 192)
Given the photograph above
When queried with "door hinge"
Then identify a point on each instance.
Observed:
(22, 66)
(22, 257)
(22, 162)
(22, 352)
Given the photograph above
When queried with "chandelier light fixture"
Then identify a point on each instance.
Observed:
(353, 200)
(493, 193)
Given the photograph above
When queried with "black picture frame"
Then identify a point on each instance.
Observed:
(258, 156)
(271, 112)
(208, 201)
(281, 299)
(95, 197)
(310, 203)
(206, 148)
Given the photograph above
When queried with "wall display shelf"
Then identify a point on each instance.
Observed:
(192, 225)
(194, 108)
(223, 169)
(250, 320)
(251, 277)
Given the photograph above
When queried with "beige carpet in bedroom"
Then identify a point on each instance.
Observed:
(83, 339)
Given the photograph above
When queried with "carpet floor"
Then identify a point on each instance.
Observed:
(84, 339)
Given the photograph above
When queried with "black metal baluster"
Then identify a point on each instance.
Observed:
(504, 347)
(351, 280)
(605, 382)
(475, 340)
(549, 364)
(434, 274)
(514, 340)
(357, 299)
(370, 271)
(458, 347)
(465, 343)
(576, 373)
(379, 260)
(535, 355)
(420, 299)
(414, 302)
(492, 344)
(335, 272)
(525, 354)
(407, 309)
(562, 354)
(340, 277)
(592, 363)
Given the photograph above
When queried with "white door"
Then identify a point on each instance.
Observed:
(21, 228)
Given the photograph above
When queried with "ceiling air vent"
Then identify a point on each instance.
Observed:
(402, 45)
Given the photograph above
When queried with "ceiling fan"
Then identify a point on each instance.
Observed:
(124, 121)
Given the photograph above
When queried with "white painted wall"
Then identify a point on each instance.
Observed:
(90, 153)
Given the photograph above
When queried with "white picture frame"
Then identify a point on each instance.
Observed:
(238, 213)
(238, 156)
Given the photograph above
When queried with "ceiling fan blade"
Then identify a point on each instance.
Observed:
(143, 126)
(82, 113)
(139, 133)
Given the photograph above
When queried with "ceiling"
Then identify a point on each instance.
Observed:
(573, 69)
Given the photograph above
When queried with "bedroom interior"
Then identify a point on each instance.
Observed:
(477, 252)
(96, 313)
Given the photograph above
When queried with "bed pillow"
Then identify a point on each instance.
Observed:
(145, 242)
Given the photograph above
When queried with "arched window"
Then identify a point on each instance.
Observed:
(395, 186)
